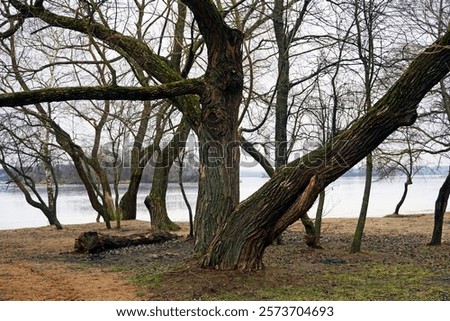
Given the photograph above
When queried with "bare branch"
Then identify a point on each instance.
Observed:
(184, 87)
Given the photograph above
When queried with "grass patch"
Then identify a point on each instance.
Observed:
(375, 282)
(144, 282)
(121, 268)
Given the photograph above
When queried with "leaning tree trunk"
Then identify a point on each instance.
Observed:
(253, 225)
(405, 192)
(439, 211)
(128, 202)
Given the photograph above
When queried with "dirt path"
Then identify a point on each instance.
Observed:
(57, 281)
(33, 268)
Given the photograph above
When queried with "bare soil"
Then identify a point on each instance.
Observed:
(39, 264)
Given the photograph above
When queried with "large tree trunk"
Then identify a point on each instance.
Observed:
(439, 211)
(252, 226)
(218, 133)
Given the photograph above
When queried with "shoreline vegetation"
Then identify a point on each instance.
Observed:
(395, 264)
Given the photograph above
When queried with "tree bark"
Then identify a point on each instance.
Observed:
(439, 211)
(240, 243)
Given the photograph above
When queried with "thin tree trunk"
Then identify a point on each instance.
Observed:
(402, 199)
(359, 232)
(319, 214)
(50, 177)
(183, 193)
(156, 201)
(282, 89)
(439, 211)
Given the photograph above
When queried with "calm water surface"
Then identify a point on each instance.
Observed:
(343, 200)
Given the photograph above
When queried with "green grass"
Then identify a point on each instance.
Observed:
(372, 282)
(376, 282)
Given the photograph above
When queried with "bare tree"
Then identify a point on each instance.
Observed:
(399, 155)
(24, 154)
(367, 15)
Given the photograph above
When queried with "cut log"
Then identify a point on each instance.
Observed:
(94, 242)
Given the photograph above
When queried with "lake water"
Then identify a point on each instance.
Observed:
(343, 200)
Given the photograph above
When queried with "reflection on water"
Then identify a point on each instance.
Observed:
(343, 200)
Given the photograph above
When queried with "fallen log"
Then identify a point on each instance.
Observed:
(94, 242)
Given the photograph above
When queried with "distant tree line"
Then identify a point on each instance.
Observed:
(67, 174)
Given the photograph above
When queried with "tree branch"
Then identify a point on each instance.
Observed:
(260, 158)
(209, 19)
(170, 90)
